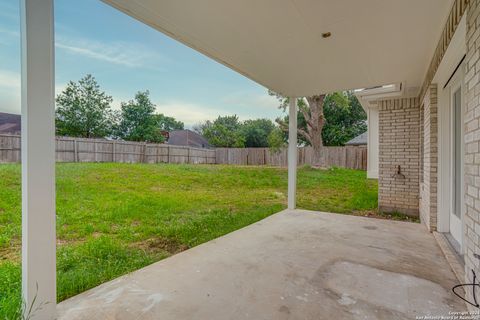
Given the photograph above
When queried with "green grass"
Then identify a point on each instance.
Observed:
(115, 218)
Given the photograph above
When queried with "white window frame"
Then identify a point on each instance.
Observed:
(457, 83)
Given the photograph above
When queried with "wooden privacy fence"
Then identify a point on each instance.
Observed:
(354, 157)
(100, 150)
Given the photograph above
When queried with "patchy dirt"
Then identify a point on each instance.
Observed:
(154, 245)
(135, 223)
(157, 189)
(96, 235)
(64, 242)
(386, 216)
(12, 252)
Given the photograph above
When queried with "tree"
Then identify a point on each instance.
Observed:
(168, 123)
(334, 119)
(256, 132)
(345, 118)
(276, 139)
(223, 132)
(138, 121)
(83, 110)
(311, 110)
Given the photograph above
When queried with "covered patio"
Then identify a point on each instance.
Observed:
(295, 264)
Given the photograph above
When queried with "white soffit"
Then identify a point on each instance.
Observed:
(279, 43)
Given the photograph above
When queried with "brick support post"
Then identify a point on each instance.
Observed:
(399, 147)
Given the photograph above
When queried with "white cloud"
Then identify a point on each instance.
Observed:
(126, 54)
(193, 113)
(10, 91)
(9, 80)
(189, 113)
(9, 36)
(9, 32)
(251, 101)
(10, 87)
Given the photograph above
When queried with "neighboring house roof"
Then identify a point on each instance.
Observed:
(358, 140)
(10, 123)
(188, 138)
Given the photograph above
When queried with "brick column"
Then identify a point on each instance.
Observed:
(399, 145)
(428, 184)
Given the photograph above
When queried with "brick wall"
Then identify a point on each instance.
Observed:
(399, 145)
(429, 157)
(472, 140)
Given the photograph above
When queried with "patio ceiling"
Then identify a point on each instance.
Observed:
(279, 43)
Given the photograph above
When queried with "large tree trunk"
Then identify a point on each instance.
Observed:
(313, 114)
(315, 121)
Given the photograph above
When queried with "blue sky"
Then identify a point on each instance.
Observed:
(126, 56)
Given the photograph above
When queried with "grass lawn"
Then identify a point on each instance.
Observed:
(115, 218)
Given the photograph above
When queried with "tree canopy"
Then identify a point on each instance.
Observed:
(83, 110)
(230, 132)
(344, 118)
(138, 121)
(223, 132)
(256, 132)
(168, 123)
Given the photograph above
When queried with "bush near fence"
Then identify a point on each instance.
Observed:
(101, 150)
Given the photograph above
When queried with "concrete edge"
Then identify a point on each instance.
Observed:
(452, 258)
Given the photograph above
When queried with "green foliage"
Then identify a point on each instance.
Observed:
(168, 123)
(108, 256)
(138, 120)
(224, 132)
(83, 110)
(228, 131)
(10, 294)
(345, 118)
(276, 140)
(256, 132)
(301, 123)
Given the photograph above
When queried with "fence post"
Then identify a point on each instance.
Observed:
(113, 151)
(188, 154)
(95, 150)
(144, 153)
(75, 150)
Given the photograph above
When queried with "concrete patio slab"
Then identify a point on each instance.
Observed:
(293, 265)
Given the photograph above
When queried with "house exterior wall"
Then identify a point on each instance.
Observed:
(472, 142)
(429, 159)
(399, 145)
